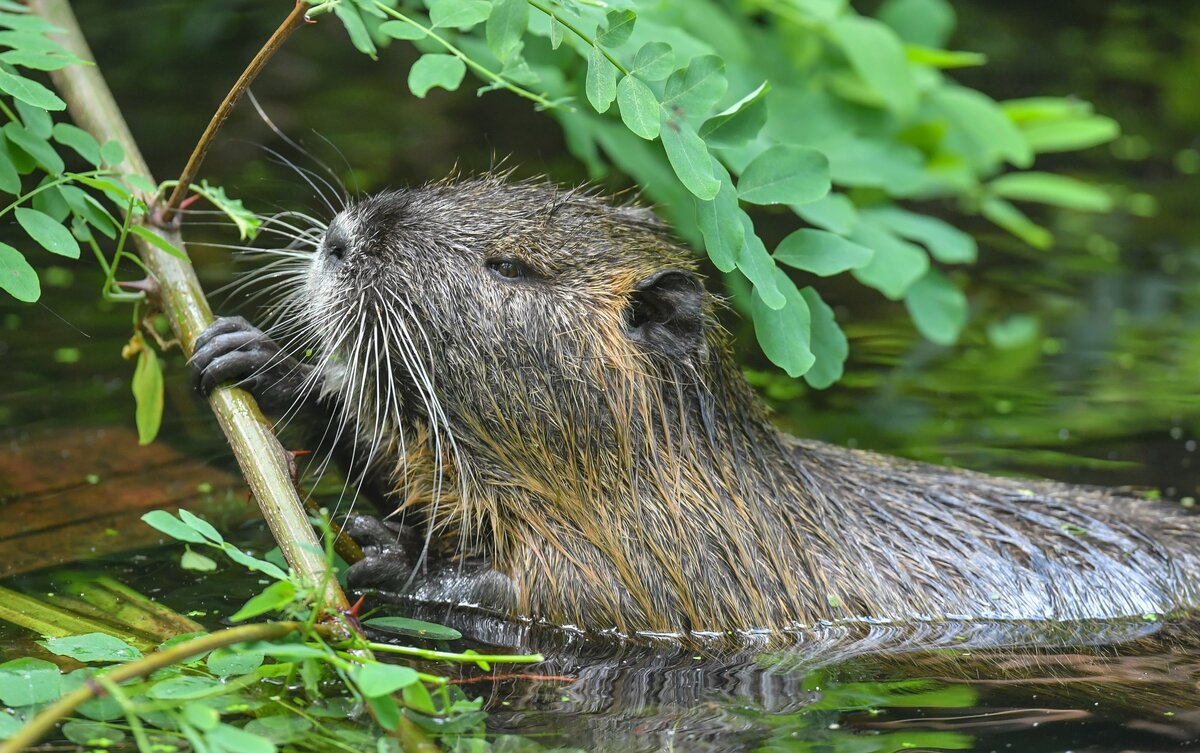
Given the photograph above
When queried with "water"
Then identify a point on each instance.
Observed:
(1105, 393)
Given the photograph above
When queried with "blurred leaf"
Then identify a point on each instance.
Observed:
(226, 737)
(165, 522)
(945, 242)
(925, 22)
(148, 395)
(1068, 135)
(17, 277)
(113, 154)
(1014, 221)
(944, 59)
(639, 107)
(618, 26)
(785, 174)
(1047, 188)
(984, 123)
(784, 332)
(897, 264)
(196, 562)
(435, 69)
(692, 91)
(822, 253)
(24, 682)
(937, 307)
(92, 734)
(157, 241)
(401, 30)
(1013, 332)
(36, 119)
(376, 679)
(505, 27)
(878, 57)
(274, 597)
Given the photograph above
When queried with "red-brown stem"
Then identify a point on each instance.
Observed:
(294, 21)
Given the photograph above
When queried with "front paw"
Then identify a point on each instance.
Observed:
(389, 550)
(233, 351)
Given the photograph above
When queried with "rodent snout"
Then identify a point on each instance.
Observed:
(336, 244)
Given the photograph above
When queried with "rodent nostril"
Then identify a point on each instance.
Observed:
(336, 250)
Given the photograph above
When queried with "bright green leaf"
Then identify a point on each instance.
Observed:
(653, 61)
(827, 343)
(49, 233)
(1047, 188)
(784, 332)
(458, 14)
(197, 562)
(944, 59)
(984, 123)
(201, 526)
(228, 738)
(785, 174)
(378, 679)
(79, 140)
(505, 27)
(148, 395)
(937, 307)
(26, 681)
(821, 252)
(689, 157)
(639, 107)
(112, 153)
(600, 84)
(618, 26)
(37, 148)
(17, 277)
(740, 122)
(181, 688)
(1013, 332)
(1014, 221)
(157, 241)
(30, 91)
(435, 69)
(877, 56)
(758, 266)
(721, 225)
(692, 91)
(165, 522)
(1068, 135)
(273, 598)
(945, 242)
(401, 30)
(227, 662)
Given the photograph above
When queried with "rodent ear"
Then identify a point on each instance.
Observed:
(666, 311)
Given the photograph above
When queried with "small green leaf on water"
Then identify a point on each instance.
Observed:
(414, 628)
(274, 597)
(785, 174)
(226, 737)
(30, 91)
(618, 26)
(600, 83)
(227, 662)
(821, 252)
(639, 107)
(505, 27)
(147, 388)
(92, 647)
(17, 277)
(653, 61)
(280, 728)
(937, 307)
(24, 682)
(401, 30)
(92, 734)
(435, 69)
(200, 716)
(197, 562)
(49, 234)
(178, 688)
(378, 679)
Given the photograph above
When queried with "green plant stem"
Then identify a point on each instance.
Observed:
(430, 655)
(264, 463)
(577, 32)
(294, 21)
(67, 178)
(482, 70)
(65, 706)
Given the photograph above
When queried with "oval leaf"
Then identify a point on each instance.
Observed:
(435, 69)
(148, 395)
(689, 158)
(92, 647)
(937, 307)
(821, 252)
(600, 84)
(378, 679)
(1047, 188)
(784, 333)
(17, 277)
(828, 343)
(415, 628)
(49, 234)
(30, 92)
(785, 174)
(639, 107)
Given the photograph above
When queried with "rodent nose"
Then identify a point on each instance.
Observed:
(336, 244)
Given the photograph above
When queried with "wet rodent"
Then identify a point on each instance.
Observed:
(540, 381)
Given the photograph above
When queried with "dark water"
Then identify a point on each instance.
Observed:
(1105, 393)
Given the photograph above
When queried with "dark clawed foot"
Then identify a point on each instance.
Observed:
(388, 550)
(233, 351)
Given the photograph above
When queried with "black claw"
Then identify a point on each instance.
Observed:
(388, 549)
(233, 351)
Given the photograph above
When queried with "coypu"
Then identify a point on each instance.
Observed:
(538, 378)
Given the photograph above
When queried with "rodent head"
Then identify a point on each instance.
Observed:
(519, 312)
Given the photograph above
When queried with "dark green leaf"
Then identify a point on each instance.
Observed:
(785, 174)
(17, 277)
(10, 179)
(401, 30)
(1048, 188)
(618, 26)
(79, 140)
(37, 148)
(877, 56)
(828, 343)
(435, 69)
(822, 253)
(897, 264)
(691, 92)
(785, 332)
(689, 157)
(148, 395)
(937, 307)
(505, 27)
(414, 628)
(385, 710)
(30, 91)
(740, 122)
(600, 84)
(377, 679)
(654, 61)
(200, 716)
(92, 647)
(49, 233)
(639, 107)
(458, 14)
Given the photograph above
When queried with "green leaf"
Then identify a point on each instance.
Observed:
(618, 26)
(164, 522)
(556, 33)
(828, 343)
(49, 233)
(1014, 221)
(458, 14)
(1013, 332)
(505, 27)
(92, 734)
(944, 59)
(377, 679)
(415, 628)
(247, 222)
(24, 682)
(92, 647)
(923, 22)
(17, 277)
(30, 91)
(867, 162)
(984, 123)
(821, 252)
(937, 307)
(197, 562)
(721, 225)
(50, 202)
(878, 58)
(758, 266)
(653, 61)
(435, 69)
(1068, 135)
(740, 122)
(157, 241)
(692, 91)
(785, 174)
(401, 30)
(10, 179)
(36, 120)
(281, 728)
(274, 597)
(148, 395)
(112, 153)
(639, 107)
(245, 560)
(897, 264)
(689, 157)
(227, 662)
(9, 726)
(385, 710)
(39, 60)
(352, 19)
(230, 739)
(26, 22)
(834, 212)
(201, 526)
(37, 148)
(79, 140)
(945, 242)
(784, 333)
(200, 716)
(1047, 188)
(600, 84)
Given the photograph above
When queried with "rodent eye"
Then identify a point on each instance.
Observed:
(509, 269)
